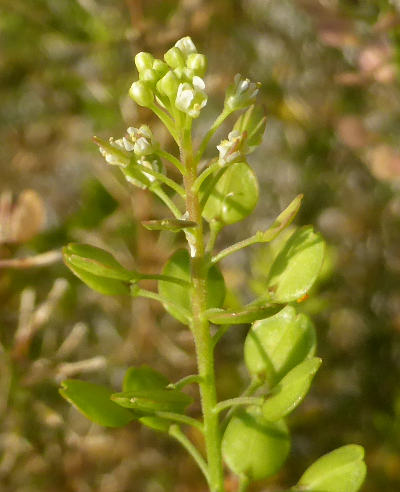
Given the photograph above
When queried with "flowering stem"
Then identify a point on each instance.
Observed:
(172, 159)
(200, 325)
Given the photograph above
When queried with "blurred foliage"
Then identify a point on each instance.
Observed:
(329, 72)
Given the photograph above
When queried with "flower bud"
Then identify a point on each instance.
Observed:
(241, 93)
(142, 94)
(144, 61)
(168, 85)
(150, 76)
(186, 46)
(174, 58)
(231, 149)
(198, 63)
(142, 146)
(160, 67)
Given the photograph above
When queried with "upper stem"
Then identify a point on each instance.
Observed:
(200, 325)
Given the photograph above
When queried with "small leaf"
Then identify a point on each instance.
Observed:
(341, 470)
(253, 446)
(283, 220)
(144, 377)
(253, 122)
(275, 345)
(106, 286)
(94, 402)
(173, 225)
(153, 400)
(247, 315)
(178, 266)
(233, 196)
(291, 390)
(297, 266)
(96, 261)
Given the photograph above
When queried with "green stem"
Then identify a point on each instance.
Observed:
(167, 201)
(257, 238)
(172, 159)
(165, 180)
(138, 292)
(193, 378)
(166, 278)
(182, 419)
(207, 171)
(200, 325)
(250, 390)
(217, 123)
(177, 433)
(234, 402)
(166, 119)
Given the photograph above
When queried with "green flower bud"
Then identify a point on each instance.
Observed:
(150, 76)
(174, 57)
(186, 46)
(143, 61)
(141, 93)
(160, 67)
(168, 85)
(198, 63)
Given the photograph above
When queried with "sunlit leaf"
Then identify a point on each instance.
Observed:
(178, 266)
(247, 315)
(94, 402)
(341, 470)
(275, 345)
(153, 400)
(253, 446)
(291, 390)
(234, 195)
(297, 266)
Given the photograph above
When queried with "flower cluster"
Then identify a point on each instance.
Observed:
(176, 83)
(241, 93)
(133, 153)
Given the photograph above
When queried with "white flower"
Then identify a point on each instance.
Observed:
(241, 93)
(191, 98)
(230, 149)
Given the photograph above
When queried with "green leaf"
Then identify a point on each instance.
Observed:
(144, 377)
(275, 345)
(178, 266)
(247, 315)
(253, 446)
(297, 266)
(233, 196)
(291, 390)
(153, 400)
(141, 378)
(94, 402)
(253, 122)
(96, 261)
(341, 470)
(173, 225)
(107, 286)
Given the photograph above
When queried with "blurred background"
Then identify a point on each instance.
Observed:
(329, 71)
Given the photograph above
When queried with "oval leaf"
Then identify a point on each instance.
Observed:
(106, 286)
(144, 377)
(233, 196)
(275, 345)
(291, 390)
(153, 400)
(247, 315)
(95, 260)
(253, 446)
(341, 470)
(297, 266)
(178, 266)
(94, 402)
